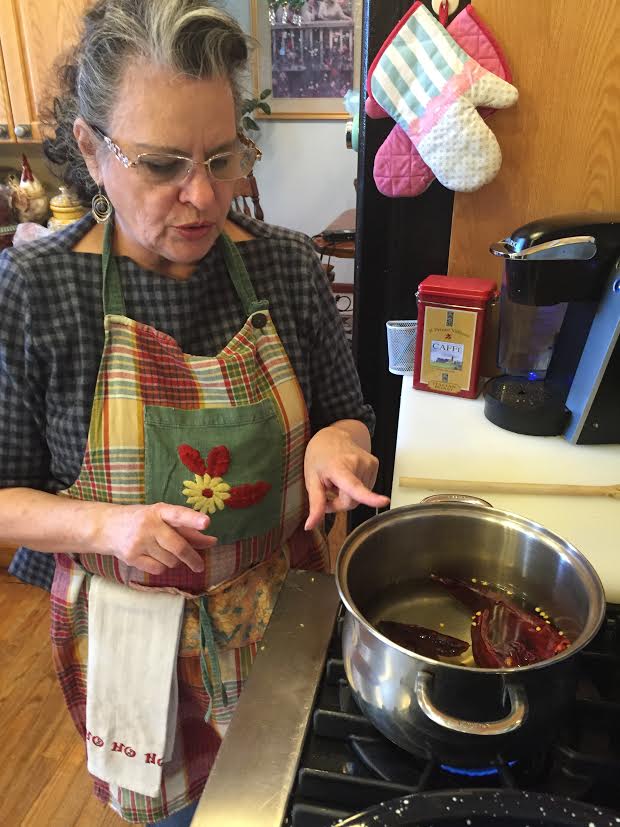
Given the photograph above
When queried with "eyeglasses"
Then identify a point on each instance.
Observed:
(162, 168)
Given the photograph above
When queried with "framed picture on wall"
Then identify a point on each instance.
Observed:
(309, 55)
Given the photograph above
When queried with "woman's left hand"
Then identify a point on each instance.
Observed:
(340, 471)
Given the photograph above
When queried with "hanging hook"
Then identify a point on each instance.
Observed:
(443, 13)
(444, 8)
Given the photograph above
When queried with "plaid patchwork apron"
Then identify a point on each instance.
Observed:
(223, 434)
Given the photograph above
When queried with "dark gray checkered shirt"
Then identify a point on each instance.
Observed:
(51, 340)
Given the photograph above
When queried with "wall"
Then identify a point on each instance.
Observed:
(305, 178)
(307, 173)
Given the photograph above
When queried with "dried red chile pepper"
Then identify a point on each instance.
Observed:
(423, 641)
(504, 635)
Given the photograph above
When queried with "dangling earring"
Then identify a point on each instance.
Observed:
(101, 207)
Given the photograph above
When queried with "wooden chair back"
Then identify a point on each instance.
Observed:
(246, 192)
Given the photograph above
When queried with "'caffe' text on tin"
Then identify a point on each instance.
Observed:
(451, 313)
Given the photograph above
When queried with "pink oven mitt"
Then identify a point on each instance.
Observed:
(432, 88)
(399, 171)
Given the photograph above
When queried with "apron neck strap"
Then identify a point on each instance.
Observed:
(113, 301)
(239, 276)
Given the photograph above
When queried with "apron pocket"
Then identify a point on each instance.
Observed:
(226, 462)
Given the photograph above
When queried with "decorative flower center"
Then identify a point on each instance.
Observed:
(206, 493)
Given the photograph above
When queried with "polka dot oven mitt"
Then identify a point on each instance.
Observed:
(431, 87)
(399, 171)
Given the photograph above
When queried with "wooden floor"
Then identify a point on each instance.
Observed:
(43, 776)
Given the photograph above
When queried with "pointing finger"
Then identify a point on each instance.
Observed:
(349, 484)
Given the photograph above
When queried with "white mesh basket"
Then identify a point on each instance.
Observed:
(401, 345)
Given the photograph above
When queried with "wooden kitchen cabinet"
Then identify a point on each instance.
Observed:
(32, 35)
(6, 126)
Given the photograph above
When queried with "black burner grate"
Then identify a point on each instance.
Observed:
(347, 766)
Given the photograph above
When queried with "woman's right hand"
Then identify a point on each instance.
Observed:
(156, 537)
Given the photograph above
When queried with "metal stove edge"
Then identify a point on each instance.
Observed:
(254, 771)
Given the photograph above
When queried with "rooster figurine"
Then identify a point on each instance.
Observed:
(30, 201)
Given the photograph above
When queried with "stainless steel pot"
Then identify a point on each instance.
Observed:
(464, 716)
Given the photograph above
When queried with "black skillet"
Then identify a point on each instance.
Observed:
(483, 808)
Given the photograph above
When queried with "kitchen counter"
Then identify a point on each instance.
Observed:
(448, 437)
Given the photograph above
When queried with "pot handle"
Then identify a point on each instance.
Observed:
(512, 721)
(454, 498)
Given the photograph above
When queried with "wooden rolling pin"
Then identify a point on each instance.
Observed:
(469, 487)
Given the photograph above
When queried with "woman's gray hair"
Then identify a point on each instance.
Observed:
(192, 37)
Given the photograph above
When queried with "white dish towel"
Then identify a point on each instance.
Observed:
(132, 692)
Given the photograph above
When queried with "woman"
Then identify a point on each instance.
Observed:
(121, 447)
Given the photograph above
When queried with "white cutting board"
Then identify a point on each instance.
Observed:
(449, 437)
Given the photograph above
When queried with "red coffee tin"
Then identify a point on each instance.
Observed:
(451, 315)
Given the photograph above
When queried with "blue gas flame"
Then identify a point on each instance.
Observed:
(474, 773)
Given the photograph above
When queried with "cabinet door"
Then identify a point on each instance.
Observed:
(33, 33)
(6, 125)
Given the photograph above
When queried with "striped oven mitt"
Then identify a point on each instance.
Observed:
(431, 88)
(398, 170)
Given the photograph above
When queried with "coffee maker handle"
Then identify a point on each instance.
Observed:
(575, 248)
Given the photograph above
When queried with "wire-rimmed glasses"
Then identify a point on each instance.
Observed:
(164, 168)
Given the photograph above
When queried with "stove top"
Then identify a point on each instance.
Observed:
(299, 753)
(347, 766)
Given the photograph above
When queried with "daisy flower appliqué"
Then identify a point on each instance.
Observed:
(206, 493)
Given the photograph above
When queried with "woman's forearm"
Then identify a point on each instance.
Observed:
(49, 523)
(151, 537)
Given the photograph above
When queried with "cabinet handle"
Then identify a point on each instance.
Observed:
(23, 130)
(4, 131)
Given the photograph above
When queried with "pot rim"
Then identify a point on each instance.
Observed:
(596, 614)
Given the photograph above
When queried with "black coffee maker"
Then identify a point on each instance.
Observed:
(559, 347)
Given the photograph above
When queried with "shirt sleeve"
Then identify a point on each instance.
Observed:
(24, 456)
(336, 390)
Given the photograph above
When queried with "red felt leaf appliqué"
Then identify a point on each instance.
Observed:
(242, 496)
(191, 459)
(218, 460)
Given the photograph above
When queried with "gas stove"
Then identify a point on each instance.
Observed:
(299, 753)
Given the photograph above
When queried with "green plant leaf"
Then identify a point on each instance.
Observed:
(264, 107)
(265, 94)
(250, 123)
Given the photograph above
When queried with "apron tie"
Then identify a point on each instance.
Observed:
(207, 641)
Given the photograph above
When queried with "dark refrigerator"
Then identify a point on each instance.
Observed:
(399, 241)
